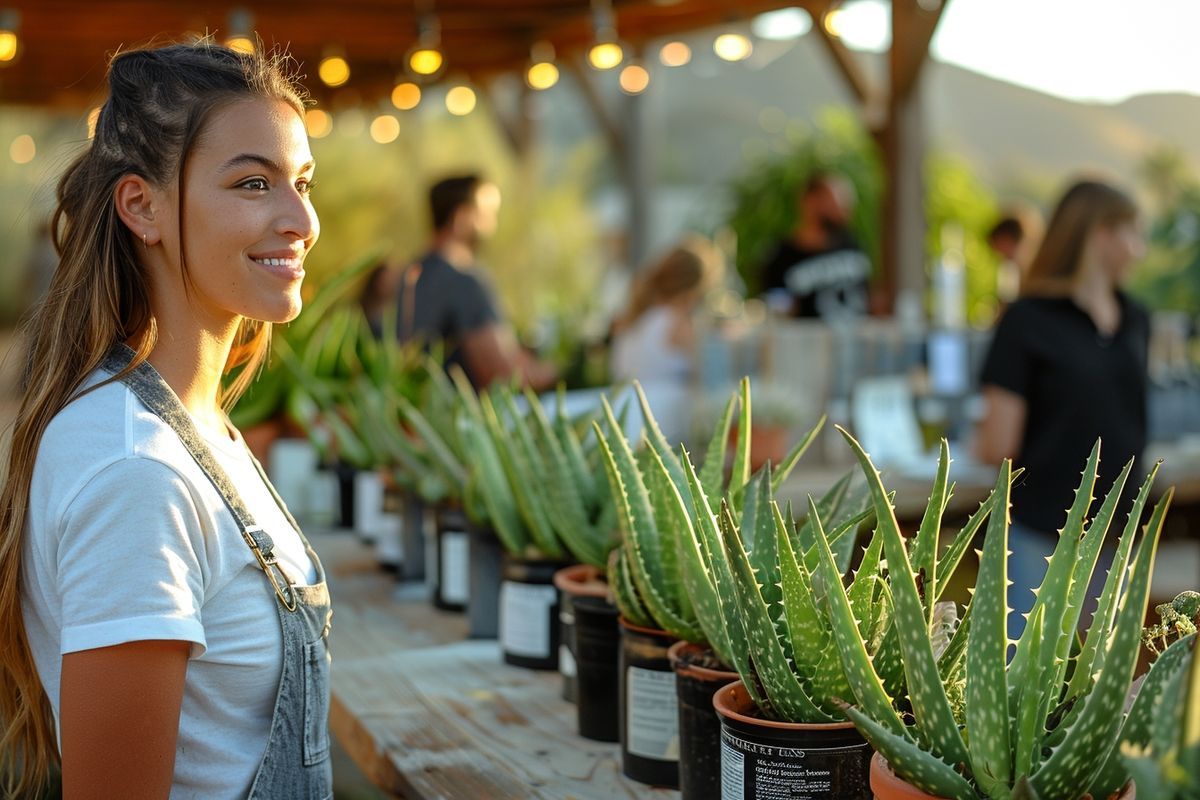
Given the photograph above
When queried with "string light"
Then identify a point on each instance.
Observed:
(333, 70)
(385, 128)
(733, 47)
(605, 54)
(406, 96)
(10, 44)
(319, 123)
(634, 79)
(23, 149)
(240, 24)
(460, 100)
(675, 54)
(542, 73)
(425, 57)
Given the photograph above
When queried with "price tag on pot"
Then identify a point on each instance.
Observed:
(652, 714)
(525, 618)
(456, 587)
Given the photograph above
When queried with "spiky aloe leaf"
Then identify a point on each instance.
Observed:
(953, 655)
(709, 542)
(1091, 658)
(920, 768)
(493, 487)
(1030, 722)
(862, 589)
(641, 535)
(959, 545)
(572, 445)
(925, 545)
(1055, 588)
(987, 694)
(853, 650)
(1189, 742)
(935, 720)
(805, 623)
(1081, 755)
(441, 452)
(768, 663)
(757, 526)
(793, 457)
(654, 436)
(712, 474)
(1136, 728)
(625, 593)
(672, 517)
(526, 474)
(739, 475)
(564, 489)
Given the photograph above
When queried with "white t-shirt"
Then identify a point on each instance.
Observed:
(127, 540)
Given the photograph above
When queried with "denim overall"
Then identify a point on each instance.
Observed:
(296, 764)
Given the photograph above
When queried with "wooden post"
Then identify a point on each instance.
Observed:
(639, 173)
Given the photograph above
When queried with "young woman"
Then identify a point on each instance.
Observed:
(1067, 366)
(163, 622)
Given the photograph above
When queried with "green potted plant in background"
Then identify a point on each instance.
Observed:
(783, 728)
(655, 607)
(1044, 724)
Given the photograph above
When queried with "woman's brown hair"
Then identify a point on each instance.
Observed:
(694, 263)
(1084, 206)
(159, 101)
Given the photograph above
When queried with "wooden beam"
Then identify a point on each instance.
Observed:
(913, 26)
(847, 63)
(609, 126)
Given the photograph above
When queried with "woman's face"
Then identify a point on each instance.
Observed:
(248, 222)
(1121, 246)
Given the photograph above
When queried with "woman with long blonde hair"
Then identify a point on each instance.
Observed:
(1067, 365)
(162, 619)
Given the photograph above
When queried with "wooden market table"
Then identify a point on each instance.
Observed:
(427, 714)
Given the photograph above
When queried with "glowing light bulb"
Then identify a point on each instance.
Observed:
(460, 101)
(385, 128)
(240, 43)
(675, 54)
(318, 122)
(23, 149)
(542, 75)
(634, 79)
(9, 44)
(425, 61)
(605, 55)
(333, 71)
(733, 47)
(406, 96)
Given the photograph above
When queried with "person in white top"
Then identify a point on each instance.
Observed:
(655, 340)
(142, 644)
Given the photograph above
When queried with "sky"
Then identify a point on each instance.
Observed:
(1088, 50)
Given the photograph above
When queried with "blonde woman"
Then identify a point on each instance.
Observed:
(1067, 365)
(163, 621)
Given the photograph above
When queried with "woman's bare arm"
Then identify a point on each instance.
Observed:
(120, 719)
(1002, 428)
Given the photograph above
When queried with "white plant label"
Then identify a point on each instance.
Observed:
(566, 662)
(525, 618)
(455, 555)
(733, 773)
(652, 714)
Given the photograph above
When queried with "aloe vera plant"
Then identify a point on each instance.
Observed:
(1021, 728)
(660, 576)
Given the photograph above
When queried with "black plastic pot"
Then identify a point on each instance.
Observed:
(696, 681)
(765, 759)
(529, 632)
(597, 659)
(486, 558)
(345, 482)
(413, 534)
(451, 561)
(649, 708)
(573, 582)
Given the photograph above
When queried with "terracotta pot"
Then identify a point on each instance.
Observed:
(763, 758)
(573, 582)
(699, 725)
(887, 786)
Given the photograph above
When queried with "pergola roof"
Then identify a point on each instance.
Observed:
(64, 43)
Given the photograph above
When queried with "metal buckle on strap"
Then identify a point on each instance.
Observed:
(266, 561)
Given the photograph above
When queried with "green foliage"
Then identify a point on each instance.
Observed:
(1021, 728)
(1169, 277)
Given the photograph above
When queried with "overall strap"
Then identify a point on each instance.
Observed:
(149, 387)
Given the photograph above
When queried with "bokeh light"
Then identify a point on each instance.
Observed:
(634, 79)
(385, 128)
(605, 55)
(318, 122)
(23, 149)
(675, 54)
(425, 61)
(733, 47)
(333, 71)
(242, 44)
(9, 45)
(406, 96)
(460, 101)
(542, 75)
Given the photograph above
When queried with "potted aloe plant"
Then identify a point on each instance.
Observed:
(656, 608)
(1044, 724)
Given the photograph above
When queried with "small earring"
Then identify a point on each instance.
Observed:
(144, 244)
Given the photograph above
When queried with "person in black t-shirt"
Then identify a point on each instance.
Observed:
(819, 271)
(444, 298)
(1067, 365)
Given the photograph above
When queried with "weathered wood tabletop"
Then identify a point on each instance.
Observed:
(427, 714)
